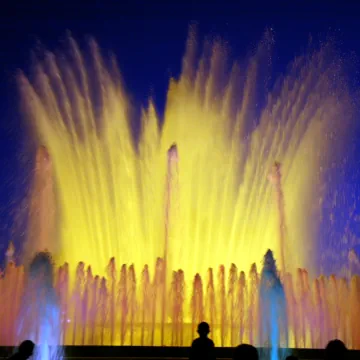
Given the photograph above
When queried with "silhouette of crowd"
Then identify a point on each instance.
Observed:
(203, 348)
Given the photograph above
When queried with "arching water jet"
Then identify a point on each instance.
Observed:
(110, 189)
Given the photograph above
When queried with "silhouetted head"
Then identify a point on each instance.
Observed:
(245, 351)
(203, 329)
(26, 348)
(291, 357)
(335, 349)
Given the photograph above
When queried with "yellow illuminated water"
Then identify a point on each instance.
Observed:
(110, 189)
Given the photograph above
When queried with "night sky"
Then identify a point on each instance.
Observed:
(148, 38)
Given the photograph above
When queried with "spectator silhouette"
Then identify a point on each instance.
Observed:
(25, 350)
(291, 357)
(202, 348)
(245, 352)
(336, 350)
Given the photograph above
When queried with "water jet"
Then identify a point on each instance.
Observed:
(148, 243)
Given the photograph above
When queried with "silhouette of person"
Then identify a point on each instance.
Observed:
(25, 350)
(202, 348)
(291, 357)
(245, 352)
(336, 350)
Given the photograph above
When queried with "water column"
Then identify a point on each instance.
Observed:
(275, 178)
(39, 319)
(42, 233)
(273, 308)
(172, 157)
(9, 255)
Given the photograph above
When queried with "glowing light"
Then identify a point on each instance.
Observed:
(205, 203)
(39, 317)
(110, 190)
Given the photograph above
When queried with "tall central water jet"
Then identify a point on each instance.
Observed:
(273, 309)
(171, 179)
(275, 178)
(41, 233)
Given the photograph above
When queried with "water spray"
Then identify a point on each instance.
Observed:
(275, 178)
(10, 254)
(172, 157)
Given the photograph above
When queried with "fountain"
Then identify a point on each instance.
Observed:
(273, 312)
(124, 309)
(152, 238)
(39, 310)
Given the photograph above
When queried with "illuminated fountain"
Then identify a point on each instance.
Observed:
(187, 223)
(272, 305)
(39, 316)
(127, 308)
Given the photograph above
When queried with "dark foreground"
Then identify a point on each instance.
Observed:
(163, 353)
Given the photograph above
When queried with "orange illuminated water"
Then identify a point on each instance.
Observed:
(98, 193)
(127, 307)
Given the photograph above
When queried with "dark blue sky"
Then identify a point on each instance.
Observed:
(148, 38)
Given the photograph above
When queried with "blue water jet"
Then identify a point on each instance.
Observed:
(40, 317)
(272, 309)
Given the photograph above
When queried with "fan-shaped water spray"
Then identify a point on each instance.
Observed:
(207, 203)
(110, 190)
